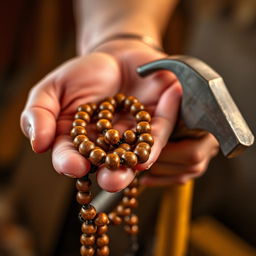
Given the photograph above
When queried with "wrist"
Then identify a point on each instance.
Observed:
(141, 29)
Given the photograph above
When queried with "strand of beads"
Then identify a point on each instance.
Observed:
(94, 225)
(112, 150)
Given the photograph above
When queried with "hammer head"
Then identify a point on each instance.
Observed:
(206, 103)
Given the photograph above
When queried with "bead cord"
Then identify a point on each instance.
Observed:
(112, 150)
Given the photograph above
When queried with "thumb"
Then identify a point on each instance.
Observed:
(38, 119)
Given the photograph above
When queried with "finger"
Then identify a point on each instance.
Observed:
(114, 181)
(190, 151)
(178, 169)
(163, 122)
(38, 120)
(67, 160)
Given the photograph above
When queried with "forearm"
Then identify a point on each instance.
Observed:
(100, 19)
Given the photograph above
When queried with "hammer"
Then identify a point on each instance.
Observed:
(206, 106)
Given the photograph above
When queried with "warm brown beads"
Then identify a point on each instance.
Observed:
(79, 139)
(112, 161)
(88, 213)
(143, 127)
(78, 130)
(105, 114)
(87, 250)
(101, 219)
(130, 159)
(86, 147)
(103, 124)
(86, 108)
(113, 150)
(142, 154)
(120, 98)
(79, 122)
(87, 240)
(84, 197)
(146, 137)
(83, 115)
(97, 156)
(143, 116)
(112, 136)
(129, 137)
(83, 185)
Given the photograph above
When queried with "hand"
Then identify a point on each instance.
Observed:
(49, 111)
(181, 161)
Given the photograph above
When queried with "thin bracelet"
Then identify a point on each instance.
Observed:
(149, 41)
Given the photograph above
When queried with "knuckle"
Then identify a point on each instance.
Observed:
(196, 157)
(196, 169)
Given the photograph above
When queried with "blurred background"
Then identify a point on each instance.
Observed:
(37, 205)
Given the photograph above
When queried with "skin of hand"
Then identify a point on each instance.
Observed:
(48, 114)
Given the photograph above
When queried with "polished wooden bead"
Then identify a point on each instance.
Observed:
(97, 156)
(129, 137)
(125, 146)
(106, 105)
(84, 197)
(142, 154)
(112, 161)
(88, 213)
(86, 108)
(146, 137)
(143, 116)
(79, 139)
(105, 114)
(101, 142)
(83, 115)
(130, 159)
(93, 106)
(103, 124)
(119, 151)
(114, 218)
(87, 239)
(123, 211)
(78, 130)
(136, 107)
(143, 127)
(112, 136)
(83, 185)
(131, 191)
(120, 98)
(87, 250)
(144, 145)
(103, 251)
(101, 219)
(131, 220)
(102, 229)
(112, 101)
(86, 147)
(131, 229)
(102, 240)
(89, 229)
(79, 122)
(129, 202)
(129, 101)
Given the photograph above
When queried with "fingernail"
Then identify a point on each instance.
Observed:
(69, 175)
(31, 136)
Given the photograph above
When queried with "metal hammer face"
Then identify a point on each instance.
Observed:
(206, 103)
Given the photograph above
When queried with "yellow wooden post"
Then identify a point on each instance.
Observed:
(173, 221)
